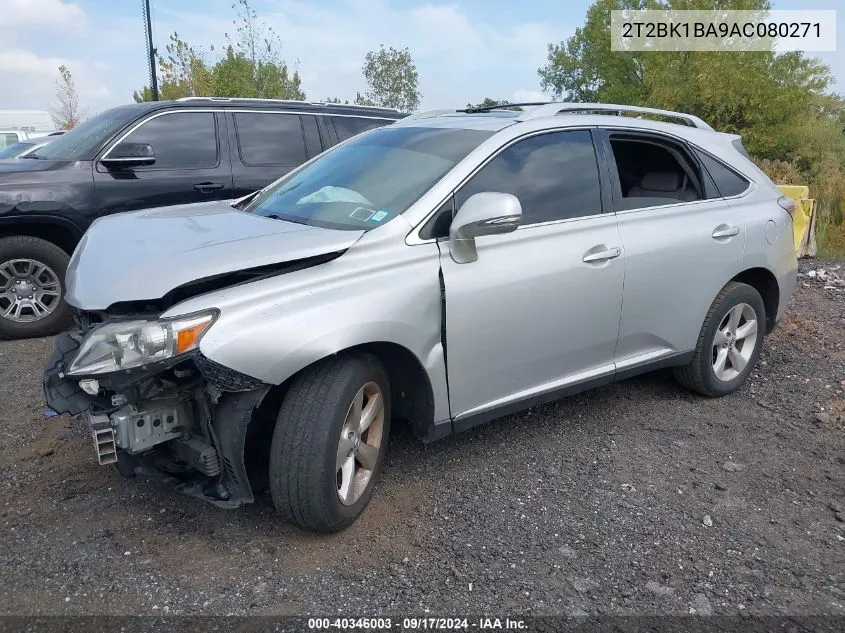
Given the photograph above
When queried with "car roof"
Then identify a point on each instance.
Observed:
(551, 115)
(266, 104)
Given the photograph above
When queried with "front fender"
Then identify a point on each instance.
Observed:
(382, 292)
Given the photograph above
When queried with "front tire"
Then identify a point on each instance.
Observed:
(329, 442)
(729, 343)
(32, 288)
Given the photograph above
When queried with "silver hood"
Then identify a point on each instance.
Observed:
(142, 255)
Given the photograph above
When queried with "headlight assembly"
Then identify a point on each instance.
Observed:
(129, 344)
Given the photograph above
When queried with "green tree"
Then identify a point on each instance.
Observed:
(183, 73)
(487, 102)
(260, 46)
(392, 80)
(781, 104)
(583, 68)
(765, 96)
(250, 66)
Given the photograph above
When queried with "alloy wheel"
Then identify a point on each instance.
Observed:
(734, 342)
(360, 443)
(29, 290)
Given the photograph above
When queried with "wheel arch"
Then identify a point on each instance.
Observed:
(764, 282)
(56, 230)
(411, 397)
(411, 391)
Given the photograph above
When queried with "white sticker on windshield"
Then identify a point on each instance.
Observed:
(361, 213)
(378, 216)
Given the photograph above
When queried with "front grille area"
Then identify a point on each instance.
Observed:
(224, 378)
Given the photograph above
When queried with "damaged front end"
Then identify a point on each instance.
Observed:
(185, 420)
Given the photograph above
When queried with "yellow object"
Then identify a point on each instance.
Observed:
(803, 220)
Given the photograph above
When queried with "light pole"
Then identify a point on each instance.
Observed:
(151, 52)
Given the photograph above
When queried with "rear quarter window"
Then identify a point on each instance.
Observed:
(728, 182)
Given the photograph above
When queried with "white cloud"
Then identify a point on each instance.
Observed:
(527, 96)
(35, 78)
(17, 61)
(51, 14)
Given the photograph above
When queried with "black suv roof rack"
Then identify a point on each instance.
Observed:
(286, 101)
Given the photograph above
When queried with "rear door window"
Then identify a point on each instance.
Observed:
(654, 171)
(182, 140)
(270, 138)
(348, 126)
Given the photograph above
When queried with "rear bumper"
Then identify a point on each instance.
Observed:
(787, 279)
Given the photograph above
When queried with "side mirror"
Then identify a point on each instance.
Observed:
(488, 213)
(126, 155)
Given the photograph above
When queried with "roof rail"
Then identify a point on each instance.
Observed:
(353, 105)
(428, 114)
(552, 109)
(296, 101)
(236, 99)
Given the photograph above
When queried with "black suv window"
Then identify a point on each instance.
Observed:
(728, 182)
(555, 176)
(270, 138)
(181, 140)
(348, 126)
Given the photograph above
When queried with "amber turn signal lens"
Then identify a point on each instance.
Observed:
(187, 338)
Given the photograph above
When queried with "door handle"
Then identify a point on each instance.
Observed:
(208, 187)
(723, 230)
(610, 253)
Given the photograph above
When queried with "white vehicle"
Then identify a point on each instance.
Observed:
(22, 149)
(23, 125)
(38, 121)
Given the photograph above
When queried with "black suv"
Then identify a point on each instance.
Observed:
(138, 156)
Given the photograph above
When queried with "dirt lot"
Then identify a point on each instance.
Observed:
(638, 498)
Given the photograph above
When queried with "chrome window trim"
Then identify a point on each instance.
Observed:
(155, 115)
(413, 238)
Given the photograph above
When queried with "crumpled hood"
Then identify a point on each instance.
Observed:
(142, 255)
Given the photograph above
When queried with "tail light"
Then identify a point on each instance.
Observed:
(787, 204)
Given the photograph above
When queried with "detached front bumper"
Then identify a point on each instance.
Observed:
(184, 423)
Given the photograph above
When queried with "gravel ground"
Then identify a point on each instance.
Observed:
(638, 498)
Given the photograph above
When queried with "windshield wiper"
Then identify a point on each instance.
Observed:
(31, 156)
(276, 216)
(243, 202)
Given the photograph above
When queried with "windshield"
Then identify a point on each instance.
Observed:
(370, 180)
(14, 150)
(83, 141)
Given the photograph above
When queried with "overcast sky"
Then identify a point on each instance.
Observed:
(465, 50)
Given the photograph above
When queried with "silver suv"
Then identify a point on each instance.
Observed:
(443, 271)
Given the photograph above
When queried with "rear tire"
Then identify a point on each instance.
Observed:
(324, 461)
(729, 343)
(38, 267)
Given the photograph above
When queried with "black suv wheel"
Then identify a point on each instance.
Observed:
(32, 288)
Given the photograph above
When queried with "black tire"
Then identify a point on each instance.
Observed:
(36, 249)
(303, 470)
(699, 374)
